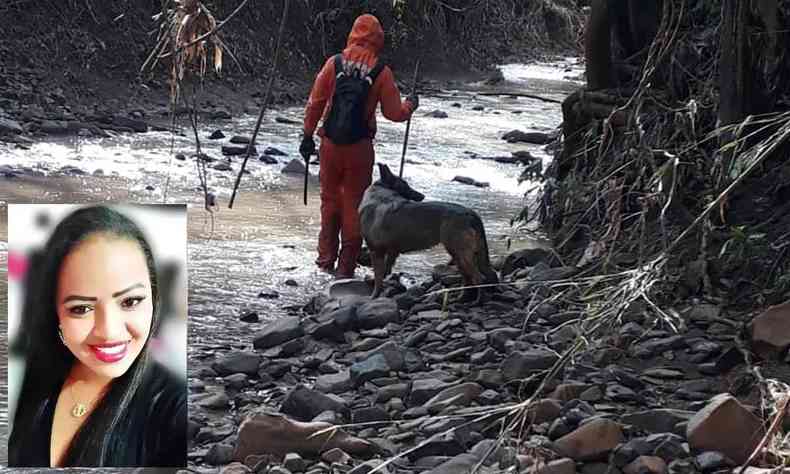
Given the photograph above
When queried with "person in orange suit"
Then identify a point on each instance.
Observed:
(346, 170)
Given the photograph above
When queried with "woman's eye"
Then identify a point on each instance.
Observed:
(131, 302)
(80, 310)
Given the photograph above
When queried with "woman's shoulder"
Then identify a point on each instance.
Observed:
(164, 388)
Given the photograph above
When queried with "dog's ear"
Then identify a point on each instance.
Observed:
(385, 172)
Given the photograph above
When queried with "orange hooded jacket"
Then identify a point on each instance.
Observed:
(364, 44)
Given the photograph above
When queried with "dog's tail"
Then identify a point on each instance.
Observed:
(483, 259)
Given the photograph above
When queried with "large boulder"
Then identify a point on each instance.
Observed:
(770, 331)
(237, 362)
(278, 332)
(275, 434)
(726, 426)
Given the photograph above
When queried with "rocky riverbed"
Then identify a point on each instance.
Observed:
(348, 383)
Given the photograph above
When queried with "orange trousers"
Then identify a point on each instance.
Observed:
(346, 172)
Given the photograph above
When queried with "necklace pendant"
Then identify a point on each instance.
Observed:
(79, 410)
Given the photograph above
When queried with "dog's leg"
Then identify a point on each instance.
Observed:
(467, 265)
(390, 262)
(378, 258)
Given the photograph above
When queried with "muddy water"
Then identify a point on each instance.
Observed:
(269, 236)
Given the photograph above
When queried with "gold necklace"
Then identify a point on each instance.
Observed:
(80, 409)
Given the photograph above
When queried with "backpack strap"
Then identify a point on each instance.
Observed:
(374, 73)
(338, 64)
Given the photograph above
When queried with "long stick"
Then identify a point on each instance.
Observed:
(408, 122)
(272, 73)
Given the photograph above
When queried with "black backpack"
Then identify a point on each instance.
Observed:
(346, 122)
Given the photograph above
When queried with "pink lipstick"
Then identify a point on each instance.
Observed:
(110, 351)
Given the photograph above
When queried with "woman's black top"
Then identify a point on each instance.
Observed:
(154, 437)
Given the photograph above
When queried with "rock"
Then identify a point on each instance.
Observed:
(10, 126)
(591, 441)
(770, 331)
(304, 404)
(444, 445)
(713, 460)
(334, 383)
(391, 351)
(236, 150)
(461, 463)
(661, 420)
(558, 466)
(377, 313)
(375, 366)
(219, 454)
(336, 455)
(496, 77)
(517, 136)
(520, 365)
(478, 108)
(216, 135)
(294, 463)
(294, 167)
(369, 415)
(218, 401)
(223, 167)
(619, 393)
(267, 433)
(278, 332)
(470, 181)
(286, 121)
(527, 258)
(53, 127)
(240, 139)
(726, 426)
(437, 114)
(544, 410)
(236, 381)
(424, 389)
(268, 294)
(569, 391)
(137, 125)
(498, 338)
(459, 395)
(656, 346)
(272, 151)
(220, 114)
(646, 465)
(269, 160)
(559, 428)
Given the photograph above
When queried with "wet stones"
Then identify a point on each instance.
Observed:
(437, 114)
(593, 440)
(237, 362)
(236, 150)
(377, 313)
(662, 420)
(470, 181)
(304, 404)
(9, 126)
(294, 167)
(278, 332)
(518, 136)
(520, 365)
(726, 426)
(216, 135)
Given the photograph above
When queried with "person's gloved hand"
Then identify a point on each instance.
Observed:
(307, 148)
(415, 101)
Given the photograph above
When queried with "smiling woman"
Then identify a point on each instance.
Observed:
(93, 394)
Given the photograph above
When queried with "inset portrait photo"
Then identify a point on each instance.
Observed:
(97, 335)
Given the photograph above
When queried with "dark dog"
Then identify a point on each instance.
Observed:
(393, 221)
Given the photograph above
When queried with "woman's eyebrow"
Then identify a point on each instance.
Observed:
(77, 298)
(119, 293)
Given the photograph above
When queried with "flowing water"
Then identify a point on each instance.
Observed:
(269, 236)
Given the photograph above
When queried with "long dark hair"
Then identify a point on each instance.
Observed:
(101, 440)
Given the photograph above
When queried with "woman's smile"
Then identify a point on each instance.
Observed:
(110, 352)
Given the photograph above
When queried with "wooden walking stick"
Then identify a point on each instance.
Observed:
(408, 122)
(272, 73)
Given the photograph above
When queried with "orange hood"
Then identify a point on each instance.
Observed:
(365, 41)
